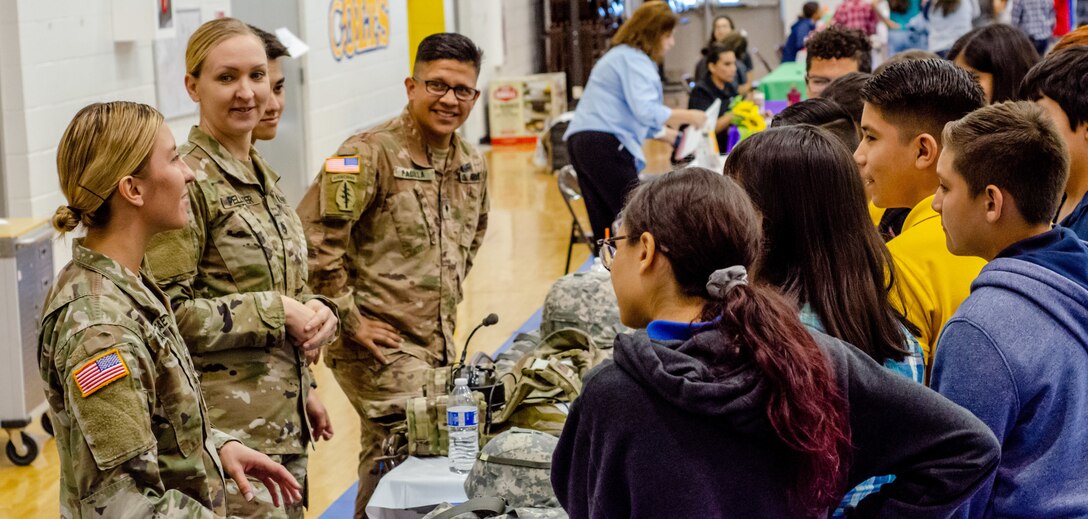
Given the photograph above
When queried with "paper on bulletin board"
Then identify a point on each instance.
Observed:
(170, 95)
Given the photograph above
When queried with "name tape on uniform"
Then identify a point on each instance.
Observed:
(342, 164)
(414, 174)
(100, 371)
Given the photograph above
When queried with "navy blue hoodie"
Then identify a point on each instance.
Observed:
(1016, 355)
(670, 429)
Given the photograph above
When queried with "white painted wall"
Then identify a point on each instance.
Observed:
(352, 94)
(57, 56)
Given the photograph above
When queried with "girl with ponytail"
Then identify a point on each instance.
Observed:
(725, 405)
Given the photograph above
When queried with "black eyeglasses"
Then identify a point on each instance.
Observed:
(438, 88)
(607, 249)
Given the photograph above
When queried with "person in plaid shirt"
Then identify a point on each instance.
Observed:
(861, 15)
(1036, 18)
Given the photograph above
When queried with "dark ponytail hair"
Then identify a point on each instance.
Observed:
(704, 222)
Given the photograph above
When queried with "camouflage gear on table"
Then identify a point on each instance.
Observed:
(224, 273)
(586, 301)
(516, 513)
(516, 467)
(139, 443)
(391, 238)
(522, 345)
(262, 505)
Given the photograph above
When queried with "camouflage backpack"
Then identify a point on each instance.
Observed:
(545, 381)
(585, 301)
(511, 479)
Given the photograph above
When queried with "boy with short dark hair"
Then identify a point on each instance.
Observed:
(906, 107)
(1016, 352)
(1057, 85)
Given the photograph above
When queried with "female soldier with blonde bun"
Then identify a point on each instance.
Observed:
(132, 429)
(236, 275)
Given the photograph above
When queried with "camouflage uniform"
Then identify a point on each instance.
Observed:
(140, 445)
(224, 273)
(392, 239)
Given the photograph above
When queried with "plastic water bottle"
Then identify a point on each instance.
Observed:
(461, 417)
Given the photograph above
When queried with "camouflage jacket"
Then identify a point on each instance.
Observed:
(133, 438)
(392, 238)
(224, 274)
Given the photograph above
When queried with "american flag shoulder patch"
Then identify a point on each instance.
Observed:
(100, 371)
(342, 164)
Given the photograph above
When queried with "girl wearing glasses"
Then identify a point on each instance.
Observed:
(623, 104)
(726, 404)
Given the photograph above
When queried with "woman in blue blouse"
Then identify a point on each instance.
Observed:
(623, 104)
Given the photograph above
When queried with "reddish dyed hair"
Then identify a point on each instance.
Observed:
(703, 222)
(1075, 38)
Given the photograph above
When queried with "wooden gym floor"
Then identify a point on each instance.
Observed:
(522, 254)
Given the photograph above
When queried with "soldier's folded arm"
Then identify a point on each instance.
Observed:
(111, 410)
(242, 320)
(328, 211)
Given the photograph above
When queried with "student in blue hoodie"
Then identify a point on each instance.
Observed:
(1016, 351)
(806, 23)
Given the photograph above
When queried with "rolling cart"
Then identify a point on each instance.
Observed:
(26, 275)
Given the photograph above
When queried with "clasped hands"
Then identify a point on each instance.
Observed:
(310, 325)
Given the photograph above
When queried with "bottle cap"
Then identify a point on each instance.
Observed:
(460, 381)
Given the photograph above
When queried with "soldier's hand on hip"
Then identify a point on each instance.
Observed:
(320, 424)
(240, 461)
(375, 335)
(298, 316)
(321, 328)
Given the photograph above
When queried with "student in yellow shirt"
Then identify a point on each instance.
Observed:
(906, 107)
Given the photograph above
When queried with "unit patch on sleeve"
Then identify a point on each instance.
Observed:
(342, 164)
(339, 195)
(100, 371)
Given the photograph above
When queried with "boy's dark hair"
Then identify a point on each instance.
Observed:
(1000, 50)
(846, 91)
(823, 113)
(837, 42)
(273, 49)
(448, 45)
(905, 56)
(921, 96)
(714, 53)
(1063, 77)
(810, 9)
(1015, 146)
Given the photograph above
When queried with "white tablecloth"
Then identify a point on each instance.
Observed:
(417, 482)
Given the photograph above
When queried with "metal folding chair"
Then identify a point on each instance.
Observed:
(572, 192)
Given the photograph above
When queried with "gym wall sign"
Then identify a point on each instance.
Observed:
(357, 26)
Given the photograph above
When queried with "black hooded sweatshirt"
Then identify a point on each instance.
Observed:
(655, 434)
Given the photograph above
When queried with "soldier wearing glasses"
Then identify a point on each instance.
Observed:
(393, 223)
